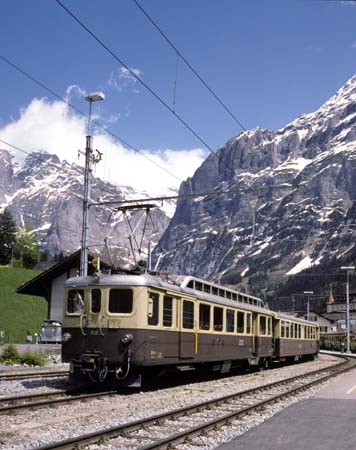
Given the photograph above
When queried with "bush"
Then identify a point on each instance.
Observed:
(10, 355)
(33, 358)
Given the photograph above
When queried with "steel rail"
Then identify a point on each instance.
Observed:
(64, 397)
(113, 432)
(22, 376)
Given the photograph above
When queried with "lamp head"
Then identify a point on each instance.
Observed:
(95, 97)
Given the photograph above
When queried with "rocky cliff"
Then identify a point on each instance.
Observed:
(285, 200)
(46, 195)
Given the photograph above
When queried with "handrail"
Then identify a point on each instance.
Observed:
(100, 329)
(81, 323)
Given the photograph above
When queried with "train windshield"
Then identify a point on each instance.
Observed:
(120, 301)
(75, 301)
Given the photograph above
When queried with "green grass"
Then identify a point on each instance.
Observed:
(19, 313)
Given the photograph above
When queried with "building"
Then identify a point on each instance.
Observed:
(336, 311)
(326, 323)
(50, 283)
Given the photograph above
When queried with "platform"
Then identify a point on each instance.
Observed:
(325, 421)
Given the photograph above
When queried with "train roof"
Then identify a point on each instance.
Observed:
(295, 319)
(169, 283)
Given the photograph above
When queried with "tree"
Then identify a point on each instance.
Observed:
(7, 236)
(26, 249)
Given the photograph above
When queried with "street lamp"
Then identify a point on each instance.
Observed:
(348, 269)
(308, 293)
(89, 160)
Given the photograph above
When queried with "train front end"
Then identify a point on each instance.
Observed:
(101, 329)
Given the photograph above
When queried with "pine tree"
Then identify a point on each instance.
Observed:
(7, 236)
(26, 249)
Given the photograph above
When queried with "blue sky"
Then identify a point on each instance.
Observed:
(269, 61)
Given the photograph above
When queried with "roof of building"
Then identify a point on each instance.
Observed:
(42, 283)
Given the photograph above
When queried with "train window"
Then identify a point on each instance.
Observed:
(283, 329)
(215, 290)
(230, 320)
(206, 288)
(95, 300)
(287, 329)
(221, 293)
(248, 323)
(263, 329)
(269, 326)
(198, 286)
(228, 294)
(167, 311)
(204, 316)
(191, 284)
(120, 301)
(292, 330)
(188, 314)
(218, 318)
(240, 321)
(234, 296)
(154, 301)
(75, 301)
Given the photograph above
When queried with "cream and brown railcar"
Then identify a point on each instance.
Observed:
(121, 326)
(295, 337)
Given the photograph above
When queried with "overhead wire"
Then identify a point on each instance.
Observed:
(143, 83)
(200, 194)
(120, 139)
(184, 59)
(99, 125)
(33, 155)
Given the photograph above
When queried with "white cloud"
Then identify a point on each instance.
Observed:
(53, 127)
(75, 91)
(123, 80)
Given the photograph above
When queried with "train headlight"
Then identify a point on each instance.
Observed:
(127, 339)
(66, 337)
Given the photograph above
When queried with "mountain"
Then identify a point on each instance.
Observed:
(45, 194)
(289, 201)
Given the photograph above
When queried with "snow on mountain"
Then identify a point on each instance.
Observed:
(292, 202)
(46, 194)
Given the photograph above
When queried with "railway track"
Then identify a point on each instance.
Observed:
(38, 374)
(184, 425)
(31, 401)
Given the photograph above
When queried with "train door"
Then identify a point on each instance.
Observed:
(255, 340)
(91, 320)
(186, 329)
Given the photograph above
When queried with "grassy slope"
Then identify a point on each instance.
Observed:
(19, 313)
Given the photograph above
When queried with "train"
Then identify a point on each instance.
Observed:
(337, 341)
(123, 327)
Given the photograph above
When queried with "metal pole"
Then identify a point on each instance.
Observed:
(347, 313)
(348, 269)
(308, 293)
(87, 170)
